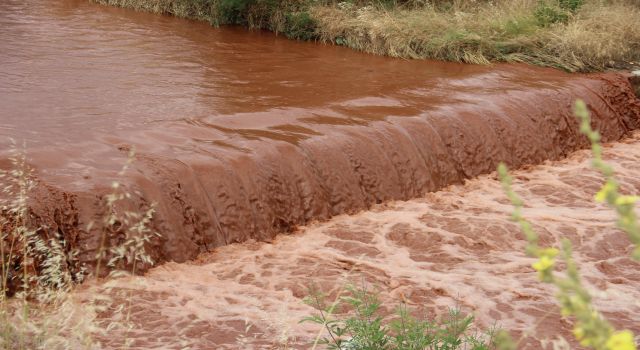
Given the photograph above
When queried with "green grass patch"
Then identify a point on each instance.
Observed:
(356, 320)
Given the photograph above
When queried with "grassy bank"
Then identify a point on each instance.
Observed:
(574, 35)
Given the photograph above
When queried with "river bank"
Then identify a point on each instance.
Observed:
(587, 35)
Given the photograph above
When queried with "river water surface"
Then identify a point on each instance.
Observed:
(243, 135)
(452, 248)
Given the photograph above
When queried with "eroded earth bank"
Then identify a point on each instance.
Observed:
(452, 247)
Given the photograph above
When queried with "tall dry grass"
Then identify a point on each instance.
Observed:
(601, 35)
(597, 36)
(38, 309)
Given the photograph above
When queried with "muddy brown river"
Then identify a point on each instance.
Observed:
(245, 135)
(454, 247)
(241, 136)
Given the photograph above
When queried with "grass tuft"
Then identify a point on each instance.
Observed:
(356, 320)
(595, 37)
(37, 307)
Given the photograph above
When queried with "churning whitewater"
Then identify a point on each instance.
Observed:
(455, 247)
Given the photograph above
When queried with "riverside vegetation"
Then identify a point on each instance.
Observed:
(37, 307)
(574, 35)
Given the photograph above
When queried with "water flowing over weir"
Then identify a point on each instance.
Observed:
(242, 135)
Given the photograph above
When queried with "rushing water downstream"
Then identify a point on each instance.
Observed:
(242, 135)
(453, 247)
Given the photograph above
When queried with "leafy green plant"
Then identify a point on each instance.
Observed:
(591, 329)
(365, 327)
(551, 12)
(547, 14)
(233, 11)
(300, 25)
(571, 5)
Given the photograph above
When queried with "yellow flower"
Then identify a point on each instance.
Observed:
(578, 332)
(544, 263)
(622, 340)
(626, 200)
(601, 196)
(549, 252)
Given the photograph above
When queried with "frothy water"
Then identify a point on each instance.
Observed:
(242, 136)
(455, 247)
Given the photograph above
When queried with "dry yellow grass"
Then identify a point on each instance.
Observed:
(37, 307)
(598, 36)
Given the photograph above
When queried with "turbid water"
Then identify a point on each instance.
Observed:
(243, 135)
(455, 247)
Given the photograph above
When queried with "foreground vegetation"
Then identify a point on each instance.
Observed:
(362, 325)
(37, 307)
(574, 35)
(591, 329)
